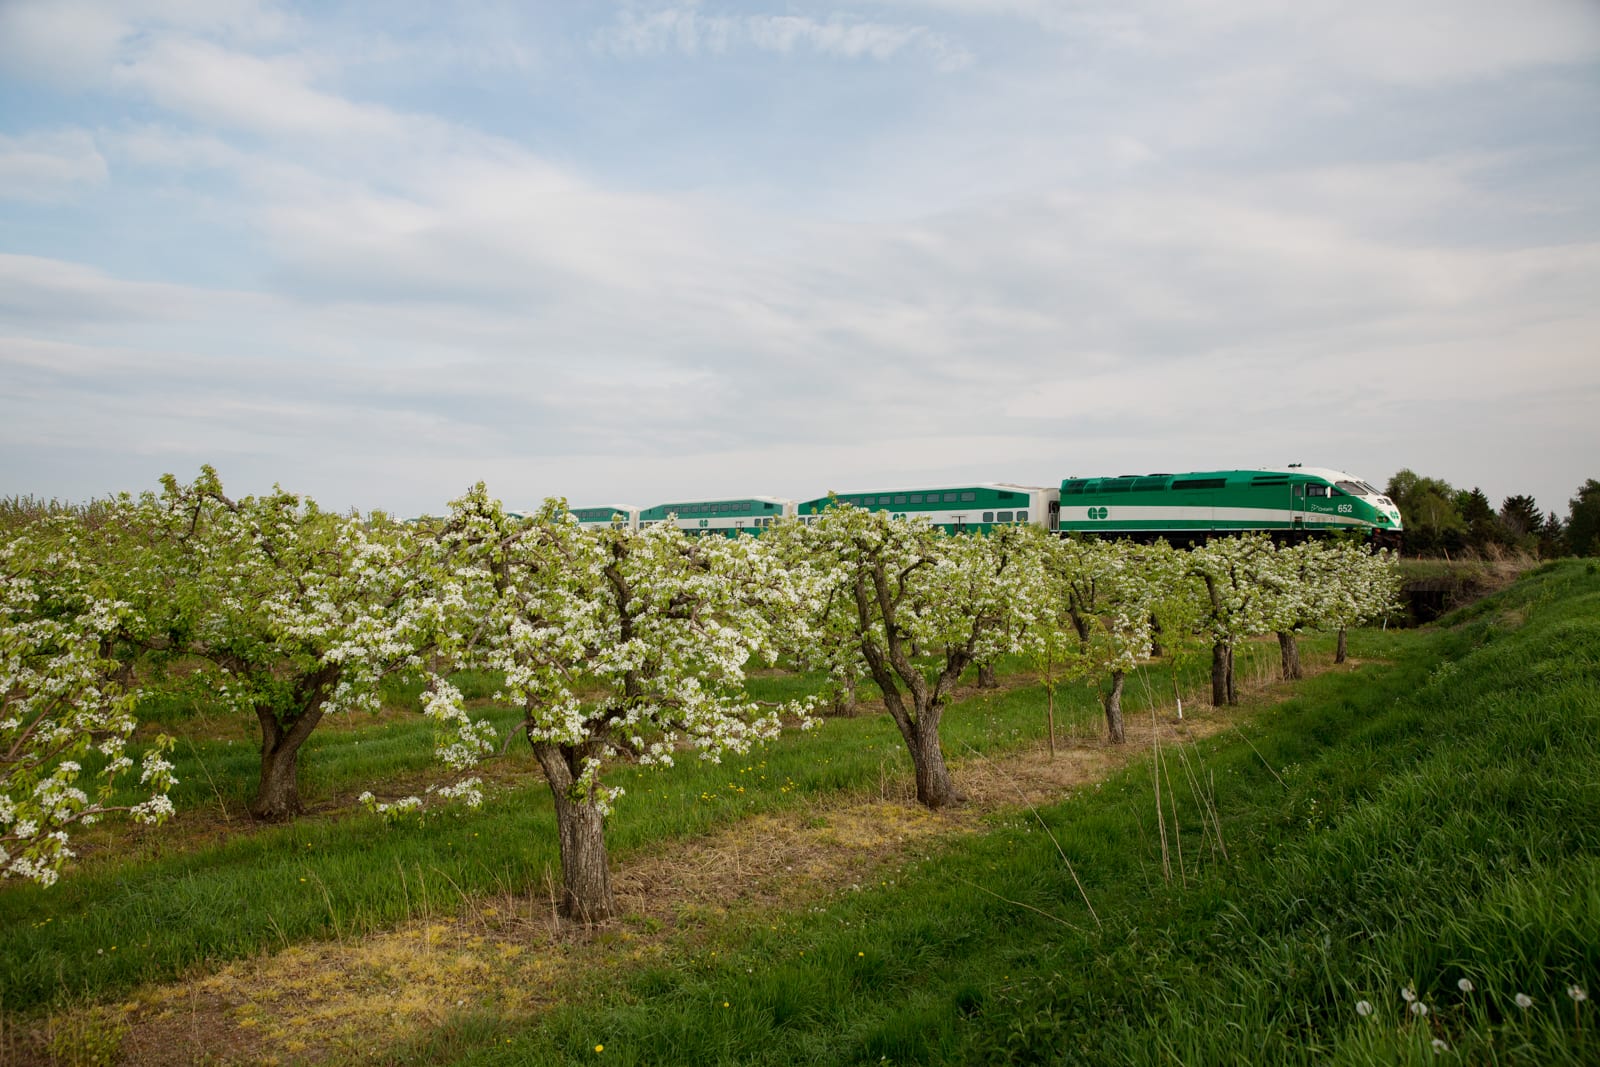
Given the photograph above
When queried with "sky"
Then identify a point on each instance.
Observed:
(645, 252)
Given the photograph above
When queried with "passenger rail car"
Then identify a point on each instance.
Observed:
(598, 518)
(1286, 502)
(729, 518)
(957, 509)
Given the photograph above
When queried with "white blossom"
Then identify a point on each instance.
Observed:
(60, 707)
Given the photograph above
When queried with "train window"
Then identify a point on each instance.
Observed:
(966, 498)
(950, 498)
(900, 499)
(988, 516)
(1316, 490)
(1006, 494)
(1022, 516)
(1005, 516)
(916, 498)
(1200, 483)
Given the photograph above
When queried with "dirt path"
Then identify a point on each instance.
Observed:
(509, 957)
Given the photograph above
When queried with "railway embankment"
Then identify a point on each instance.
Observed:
(1432, 588)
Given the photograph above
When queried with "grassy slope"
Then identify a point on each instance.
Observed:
(1409, 826)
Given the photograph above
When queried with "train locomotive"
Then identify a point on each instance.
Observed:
(1285, 502)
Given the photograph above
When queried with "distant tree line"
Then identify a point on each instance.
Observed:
(1441, 520)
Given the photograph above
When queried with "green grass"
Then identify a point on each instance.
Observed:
(1407, 826)
(148, 905)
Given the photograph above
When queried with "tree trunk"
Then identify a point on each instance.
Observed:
(844, 699)
(1113, 706)
(935, 788)
(1219, 674)
(278, 793)
(585, 878)
(1289, 653)
(1156, 650)
(986, 678)
(277, 796)
(1340, 653)
(1223, 690)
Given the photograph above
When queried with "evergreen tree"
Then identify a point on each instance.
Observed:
(1583, 520)
(1552, 536)
(1521, 516)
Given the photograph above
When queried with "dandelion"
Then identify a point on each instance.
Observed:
(1523, 1001)
(1439, 1046)
(1577, 993)
(1407, 995)
(1419, 1009)
(597, 1048)
(1464, 984)
(1363, 1008)
(724, 1003)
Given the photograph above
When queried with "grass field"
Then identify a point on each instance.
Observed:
(1232, 893)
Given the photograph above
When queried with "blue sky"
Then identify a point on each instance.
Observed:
(630, 253)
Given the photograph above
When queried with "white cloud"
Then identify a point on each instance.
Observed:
(687, 30)
(231, 89)
(49, 165)
(1053, 267)
(75, 43)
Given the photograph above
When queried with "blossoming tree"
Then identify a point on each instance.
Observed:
(1230, 571)
(284, 611)
(888, 589)
(60, 705)
(613, 642)
(1107, 591)
(1297, 583)
(1368, 588)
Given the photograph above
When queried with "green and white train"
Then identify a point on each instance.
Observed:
(1288, 502)
(957, 509)
(729, 518)
(617, 515)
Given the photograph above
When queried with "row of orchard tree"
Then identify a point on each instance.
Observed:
(1441, 520)
(614, 644)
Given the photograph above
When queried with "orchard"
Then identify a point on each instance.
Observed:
(614, 645)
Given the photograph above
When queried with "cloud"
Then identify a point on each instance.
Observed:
(49, 165)
(50, 293)
(1217, 234)
(75, 43)
(230, 89)
(690, 32)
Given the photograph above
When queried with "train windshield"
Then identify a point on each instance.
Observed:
(1357, 488)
